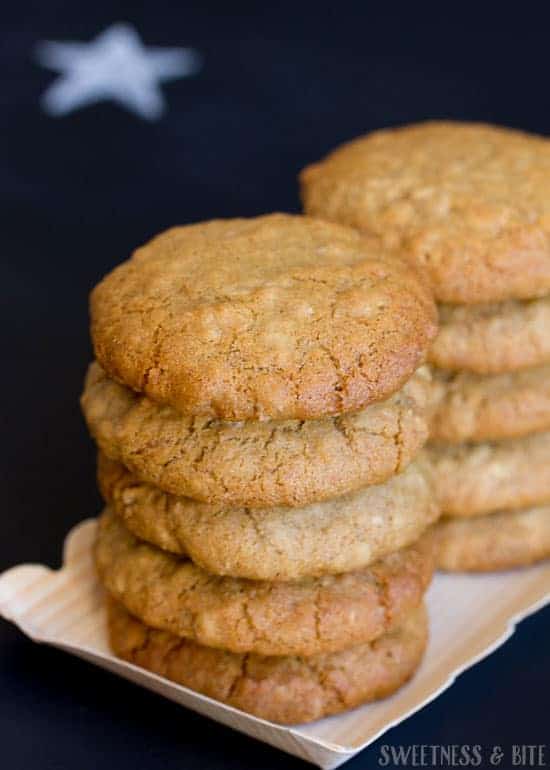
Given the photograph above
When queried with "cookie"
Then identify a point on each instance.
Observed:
(469, 203)
(306, 617)
(278, 317)
(473, 479)
(477, 408)
(340, 535)
(256, 463)
(287, 690)
(493, 338)
(496, 541)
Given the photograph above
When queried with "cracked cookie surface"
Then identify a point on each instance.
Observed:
(493, 338)
(257, 463)
(469, 203)
(287, 690)
(496, 541)
(473, 479)
(477, 408)
(305, 617)
(280, 316)
(340, 535)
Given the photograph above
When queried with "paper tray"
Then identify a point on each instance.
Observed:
(470, 615)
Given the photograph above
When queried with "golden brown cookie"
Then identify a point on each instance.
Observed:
(340, 535)
(496, 541)
(469, 203)
(491, 339)
(287, 690)
(306, 617)
(473, 479)
(258, 464)
(280, 316)
(476, 408)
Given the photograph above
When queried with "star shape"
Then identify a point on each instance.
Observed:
(115, 66)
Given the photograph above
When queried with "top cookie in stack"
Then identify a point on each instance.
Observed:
(260, 404)
(470, 204)
(278, 317)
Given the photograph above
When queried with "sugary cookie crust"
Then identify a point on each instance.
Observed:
(280, 317)
(257, 464)
(467, 202)
(287, 690)
(340, 535)
(306, 617)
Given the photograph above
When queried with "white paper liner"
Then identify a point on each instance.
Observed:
(471, 615)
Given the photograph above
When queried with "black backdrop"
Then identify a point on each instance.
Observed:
(281, 84)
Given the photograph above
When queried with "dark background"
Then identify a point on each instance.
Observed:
(281, 84)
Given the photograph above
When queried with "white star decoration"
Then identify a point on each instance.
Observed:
(116, 67)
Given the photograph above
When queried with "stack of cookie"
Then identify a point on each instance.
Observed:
(470, 204)
(260, 410)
